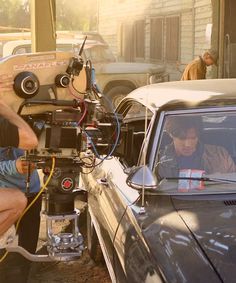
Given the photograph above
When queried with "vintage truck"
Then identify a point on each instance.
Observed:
(115, 79)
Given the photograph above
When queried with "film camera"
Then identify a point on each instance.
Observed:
(54, 93)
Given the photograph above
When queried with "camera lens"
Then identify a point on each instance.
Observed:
(26, 85)
(62, 80)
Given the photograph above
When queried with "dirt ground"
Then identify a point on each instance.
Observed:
(79, 271)
(83, 270)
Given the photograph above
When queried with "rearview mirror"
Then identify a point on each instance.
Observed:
(142, 177)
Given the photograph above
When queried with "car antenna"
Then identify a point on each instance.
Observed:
(82, 46)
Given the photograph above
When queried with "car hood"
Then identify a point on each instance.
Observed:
(191, 240)
(214, 228)
(128, 68)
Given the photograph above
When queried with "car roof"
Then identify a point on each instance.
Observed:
(195, 93)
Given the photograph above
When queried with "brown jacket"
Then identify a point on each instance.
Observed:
(214, 159)
(196, 70)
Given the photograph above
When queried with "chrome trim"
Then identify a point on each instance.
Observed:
(156, 139)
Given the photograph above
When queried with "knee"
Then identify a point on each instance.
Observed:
(21, 201)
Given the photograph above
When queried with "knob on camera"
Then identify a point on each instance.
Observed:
(26, 85)
(62, 80)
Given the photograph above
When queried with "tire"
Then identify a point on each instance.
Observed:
(116, 94)
(93, 245)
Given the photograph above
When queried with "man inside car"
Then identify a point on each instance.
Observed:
(187, 151)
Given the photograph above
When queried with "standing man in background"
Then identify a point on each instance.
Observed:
(196, 70)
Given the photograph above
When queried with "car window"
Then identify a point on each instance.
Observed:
(197, 153)
(136, 110)
(22, 49)
(135, 119)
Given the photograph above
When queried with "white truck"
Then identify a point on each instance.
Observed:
(115, 79)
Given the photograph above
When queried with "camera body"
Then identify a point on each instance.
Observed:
(41, 77)
(58, 133)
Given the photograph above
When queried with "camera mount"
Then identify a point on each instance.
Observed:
(51, 93)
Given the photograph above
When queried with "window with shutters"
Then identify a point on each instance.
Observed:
(139, 39)
(172, 38)
(156, 39)
(127, 46)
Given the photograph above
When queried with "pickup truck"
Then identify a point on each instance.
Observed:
(115, 79)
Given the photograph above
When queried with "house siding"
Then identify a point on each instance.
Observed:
(193, 18)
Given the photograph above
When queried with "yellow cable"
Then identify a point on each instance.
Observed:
(29, 206)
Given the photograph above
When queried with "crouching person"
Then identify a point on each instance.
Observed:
(16, 133)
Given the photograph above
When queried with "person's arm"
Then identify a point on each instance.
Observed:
(193, 73)
(227, 163)
(27, 138)
(8, 168)
(15, 167)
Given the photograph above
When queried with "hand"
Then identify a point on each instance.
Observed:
(27, 137)
(22, 166)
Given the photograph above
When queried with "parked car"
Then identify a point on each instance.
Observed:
(155, 227)
(115, 79)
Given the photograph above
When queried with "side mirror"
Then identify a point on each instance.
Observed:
(142, 177)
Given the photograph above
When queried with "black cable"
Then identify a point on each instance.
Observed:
(88, 66)
(75, 89)
(86, 173)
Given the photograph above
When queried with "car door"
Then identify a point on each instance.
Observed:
(110, 196)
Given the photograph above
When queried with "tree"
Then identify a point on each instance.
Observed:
(70, 15)
(76, 15)
(14, 13)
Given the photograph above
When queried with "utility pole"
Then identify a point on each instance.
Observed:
(43, 25)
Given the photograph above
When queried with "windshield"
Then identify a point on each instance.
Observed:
(99, 54)
(197, 153)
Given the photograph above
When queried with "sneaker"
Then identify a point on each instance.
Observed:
(7, 237)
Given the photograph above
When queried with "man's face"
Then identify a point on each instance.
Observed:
(208, 60)
(187, 145)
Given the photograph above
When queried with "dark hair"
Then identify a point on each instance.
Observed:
(177, 126)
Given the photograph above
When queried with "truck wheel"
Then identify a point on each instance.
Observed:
(93, 245)
(117, 93)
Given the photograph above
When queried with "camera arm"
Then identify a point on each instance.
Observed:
(63, 103)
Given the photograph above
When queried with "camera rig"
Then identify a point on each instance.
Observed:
(55, 93)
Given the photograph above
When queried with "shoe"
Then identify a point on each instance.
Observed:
(7, 237)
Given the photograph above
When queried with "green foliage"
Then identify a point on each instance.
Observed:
(70, 14)
(14, 13)
(76, 15)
